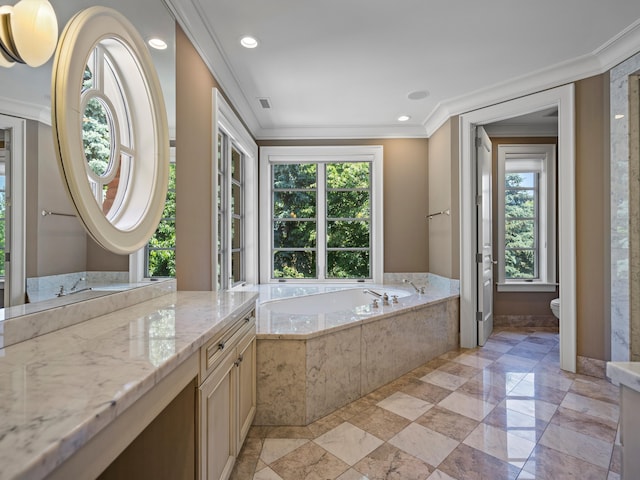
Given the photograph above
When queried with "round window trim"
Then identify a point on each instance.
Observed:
(140, 211)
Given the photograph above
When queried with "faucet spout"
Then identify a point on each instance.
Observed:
(75, 285)
(418, 290)
(371, 292)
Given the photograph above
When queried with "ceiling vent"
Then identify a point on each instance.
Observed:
(265, 102)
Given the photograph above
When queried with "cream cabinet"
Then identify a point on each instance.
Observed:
(227, 397)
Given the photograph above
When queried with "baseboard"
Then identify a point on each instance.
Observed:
(591, 366)
(525, 321)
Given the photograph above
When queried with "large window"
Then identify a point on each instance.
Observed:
(324, 211)
(526, 213)
(231, 218)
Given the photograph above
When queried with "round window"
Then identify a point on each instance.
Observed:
(110, 126)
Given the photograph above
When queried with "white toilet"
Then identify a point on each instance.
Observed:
(555, 307)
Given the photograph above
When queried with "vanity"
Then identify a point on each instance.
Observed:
(163, 388)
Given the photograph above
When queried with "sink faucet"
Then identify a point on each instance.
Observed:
(418, 290)
(75, 285)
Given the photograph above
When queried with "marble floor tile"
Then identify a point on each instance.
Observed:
(511, 335)
(487, 353)
(459, 369)
(467, 463)
(584, 447)
(426, 391)
(534, 408)
(440, 475)
(548, 379)
(586, 424)
(527, 389)
(503, 445)
(405, 405)
(595, 408)
(380, 422)
(528, 353)
(516, 423)
(424, 443)
(447, 423)
(324, 424)
(539, 344)
(473, 361)
(309, 461)
(266, 474)
(293, 431)
(352, 474)
(549, 464)
(477, 388)
(596, 388)
(444, 379)
(498, 346)
(348, 443)
(503, 380)
(613, 476)
(616, 459)
(275, 448)
(468, 406)
(390, 463)
(514, 363)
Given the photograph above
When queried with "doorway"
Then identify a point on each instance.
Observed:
(563, 99)
(12, 209)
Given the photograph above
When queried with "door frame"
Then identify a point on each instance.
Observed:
(563, 98)
(15, 282)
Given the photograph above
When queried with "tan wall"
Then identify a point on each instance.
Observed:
(592, 216)
(444, 231)
(516, 303)
(406, 199)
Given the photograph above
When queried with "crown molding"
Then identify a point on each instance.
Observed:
(616, 50)
(341, 132)
(26, 110)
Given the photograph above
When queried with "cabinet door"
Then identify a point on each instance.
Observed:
(217, 424)
(246, 385)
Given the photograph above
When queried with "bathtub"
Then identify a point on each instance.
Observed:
(320, 347)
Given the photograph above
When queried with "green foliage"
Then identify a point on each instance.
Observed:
(96, 136)
(295, 220)
(161, 247)
(520, 234)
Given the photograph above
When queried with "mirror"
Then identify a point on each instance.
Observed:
(57, 250)
(104, 81)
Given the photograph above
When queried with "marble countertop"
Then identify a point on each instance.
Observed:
(625, 373)
(60, 389)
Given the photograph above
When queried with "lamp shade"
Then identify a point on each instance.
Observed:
(34, 29)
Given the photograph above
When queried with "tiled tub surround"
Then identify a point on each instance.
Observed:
(304, 376)
(60, 391)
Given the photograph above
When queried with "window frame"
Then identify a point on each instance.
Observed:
(540, 158)
(322, 155)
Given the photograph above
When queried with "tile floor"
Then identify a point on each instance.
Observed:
(504, 411)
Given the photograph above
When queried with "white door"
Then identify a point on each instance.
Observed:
(485, 242)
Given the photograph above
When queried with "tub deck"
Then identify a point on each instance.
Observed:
(305, 374)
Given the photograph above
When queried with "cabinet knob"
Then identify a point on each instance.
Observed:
(221, 346)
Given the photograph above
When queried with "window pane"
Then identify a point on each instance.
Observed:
(348, 264)
(520, 180)
(348, 204)
(347, 234)
(519, 204)
(520, 234)
(520, 264)
(294, 204)
(236, 158)
(293, 234)
(236, 199)
(162, 263)
(294, 176)
(236, 266)
(165, 235)
(294, 264)
(236, 232)
(348, 175)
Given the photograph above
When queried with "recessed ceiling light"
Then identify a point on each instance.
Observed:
(619, 116)
(157, 43)
(249, 42)
(404, 118)
(418, 95)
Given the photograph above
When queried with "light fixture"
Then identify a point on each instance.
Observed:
(404, 118)
(28, 33)
(157, 43)
(249, 42)
(418, 95)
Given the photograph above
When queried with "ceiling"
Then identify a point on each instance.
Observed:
(337, 68)
(344, 68)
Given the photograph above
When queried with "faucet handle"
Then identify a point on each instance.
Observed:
(374, 304)
(394, 298)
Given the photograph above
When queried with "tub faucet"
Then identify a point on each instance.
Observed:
(418, 290)
(75, 285)
(384, 297)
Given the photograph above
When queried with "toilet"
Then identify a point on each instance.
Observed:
(555, 307)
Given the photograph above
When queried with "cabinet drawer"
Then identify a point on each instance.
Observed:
(216, 348)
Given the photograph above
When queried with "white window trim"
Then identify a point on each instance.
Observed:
(225, 120)
(373, 153)
(546, 154)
